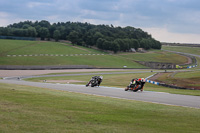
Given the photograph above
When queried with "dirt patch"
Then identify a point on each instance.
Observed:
(63, 81)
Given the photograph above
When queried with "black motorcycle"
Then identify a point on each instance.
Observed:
(95, 81)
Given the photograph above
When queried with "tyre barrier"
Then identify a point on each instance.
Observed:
(153, 82)
(192, 66)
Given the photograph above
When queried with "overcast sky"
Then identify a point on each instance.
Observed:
(166, 20)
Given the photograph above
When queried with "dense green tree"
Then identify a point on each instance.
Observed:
(1, 31)
(44, 33)
(17, 32)
(63, 34)
(96, 36)
(115, 47)
(52, 29)
(44, 23)
(88, 39)
(134, 44)
(100, 42)
(106, 37)
(73, 37)
(144, 43)
(56, 35)
(32, 32)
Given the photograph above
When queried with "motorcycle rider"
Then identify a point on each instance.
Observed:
(97, 79)
(100, 79)
(137, 84)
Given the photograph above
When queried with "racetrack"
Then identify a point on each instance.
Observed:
(146, 96)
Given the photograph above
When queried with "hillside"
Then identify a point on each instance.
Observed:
(18, 52)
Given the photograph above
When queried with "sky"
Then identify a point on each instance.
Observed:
(175, 21)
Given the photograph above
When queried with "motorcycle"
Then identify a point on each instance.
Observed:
(95, 81)
(135, 86)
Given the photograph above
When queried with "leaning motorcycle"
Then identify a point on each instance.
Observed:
(133, 87)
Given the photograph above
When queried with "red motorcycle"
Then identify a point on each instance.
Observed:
(135, 85)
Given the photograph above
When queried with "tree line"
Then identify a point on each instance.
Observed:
(106, 37)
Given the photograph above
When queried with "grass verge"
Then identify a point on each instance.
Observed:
(188, 79)
(32, 109)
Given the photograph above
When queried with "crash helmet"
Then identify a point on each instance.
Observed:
(142, 79)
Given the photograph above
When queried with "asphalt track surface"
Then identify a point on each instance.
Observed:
(146, 96)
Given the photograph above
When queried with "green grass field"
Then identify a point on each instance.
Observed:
(54, 53)
(32, 109)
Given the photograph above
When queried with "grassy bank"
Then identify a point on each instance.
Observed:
(21, 47)
(156, 56)
(18, 52)
(98, 61)
(31, 109)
